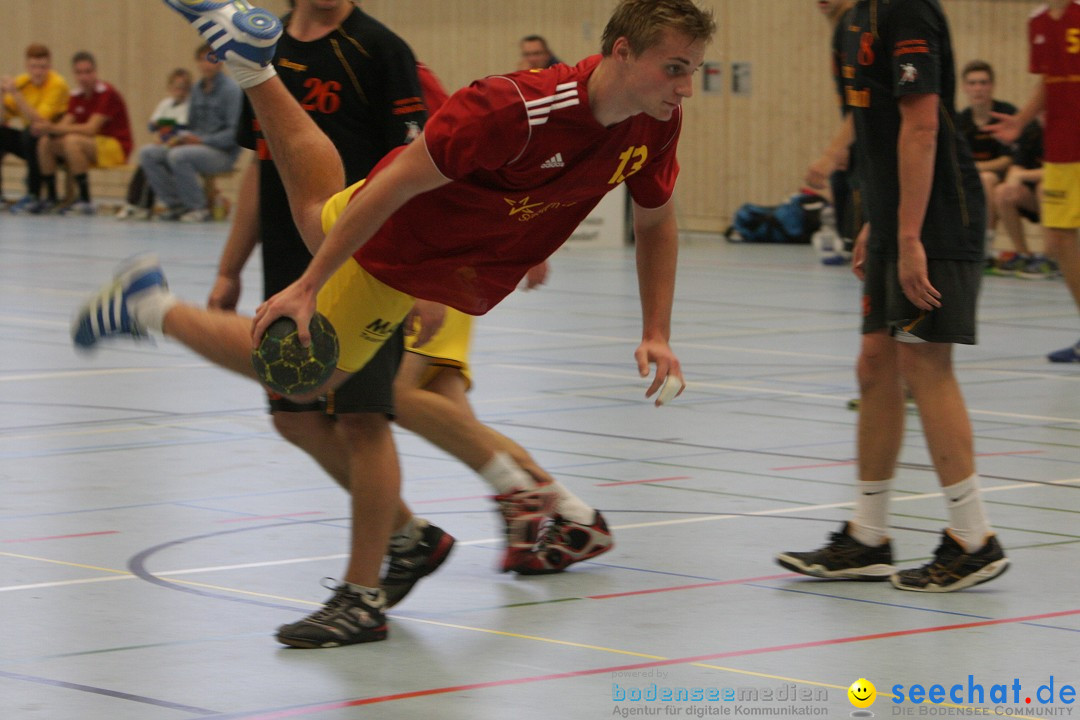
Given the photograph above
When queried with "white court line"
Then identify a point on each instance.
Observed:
(759, 390)
(485, 541)
(99, 372)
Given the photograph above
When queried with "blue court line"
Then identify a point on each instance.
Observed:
(108, 693)
(143, 646)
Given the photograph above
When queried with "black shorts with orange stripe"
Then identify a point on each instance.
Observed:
(886, 307)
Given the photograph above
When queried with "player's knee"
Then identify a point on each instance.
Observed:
(874, 367)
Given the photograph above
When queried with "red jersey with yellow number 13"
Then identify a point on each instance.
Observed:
(528, 162)
(1055, 54)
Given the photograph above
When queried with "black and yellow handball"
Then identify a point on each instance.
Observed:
(287, 367)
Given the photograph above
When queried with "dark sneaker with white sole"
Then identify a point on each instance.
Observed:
(843, 558)
(953, 568)
(347, 618)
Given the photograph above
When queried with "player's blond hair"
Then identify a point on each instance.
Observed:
(642, 22)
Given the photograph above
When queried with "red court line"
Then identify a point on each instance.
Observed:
(292, 712)
(636, 482)
(62, 537)
(271, 517)
(691, 587)
(852, 462)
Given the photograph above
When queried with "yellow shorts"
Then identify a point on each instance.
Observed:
(1061, 195)
(109, 152)
(364, 311)
(448, 349)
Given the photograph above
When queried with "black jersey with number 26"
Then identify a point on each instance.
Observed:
(359, 85)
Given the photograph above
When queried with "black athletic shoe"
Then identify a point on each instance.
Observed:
(346, 619)
(954, 569)
(404, 570)
(844, 558)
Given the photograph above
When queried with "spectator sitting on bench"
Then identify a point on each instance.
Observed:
(169, 118)
(207, 147)
(95, 132)
(38, 96)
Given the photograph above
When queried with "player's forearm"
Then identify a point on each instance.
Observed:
(244, 233)
(657, 258)
(1033, 106)
(916, 150)
(997, 165)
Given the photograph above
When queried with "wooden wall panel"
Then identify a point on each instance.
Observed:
(734, 149)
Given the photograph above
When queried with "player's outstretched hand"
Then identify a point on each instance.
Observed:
(294, 302)
(1005, 128)
(225, 294)
(430, 316)
(657, 352)
(536, 276)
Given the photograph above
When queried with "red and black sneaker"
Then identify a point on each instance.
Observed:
(523, 511)
(560, 543)
(404, 569)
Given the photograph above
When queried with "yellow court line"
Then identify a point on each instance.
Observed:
(64, 562)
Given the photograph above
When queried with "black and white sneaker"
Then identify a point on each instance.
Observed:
(844, 558)
(347, 618)
(404, 570)
(953, 568)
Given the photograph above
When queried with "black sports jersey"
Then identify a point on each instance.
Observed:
(359, 85)
(983, 145)
(893, 48)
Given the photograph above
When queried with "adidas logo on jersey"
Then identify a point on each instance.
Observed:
(555, 161)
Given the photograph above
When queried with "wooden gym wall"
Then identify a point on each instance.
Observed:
(733, 149)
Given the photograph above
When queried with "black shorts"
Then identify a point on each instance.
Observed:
(371, 390)
(885, 306)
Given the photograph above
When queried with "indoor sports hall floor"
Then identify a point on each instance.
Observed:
(154, 531)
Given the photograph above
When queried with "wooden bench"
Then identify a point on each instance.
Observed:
(108, 186)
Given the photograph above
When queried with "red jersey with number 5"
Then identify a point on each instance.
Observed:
(1055, 54)
(528, 162)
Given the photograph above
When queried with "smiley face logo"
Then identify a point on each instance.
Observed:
(862, 693)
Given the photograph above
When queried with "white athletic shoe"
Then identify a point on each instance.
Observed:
(237, 31)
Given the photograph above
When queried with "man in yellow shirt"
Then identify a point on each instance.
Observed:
(38, 97)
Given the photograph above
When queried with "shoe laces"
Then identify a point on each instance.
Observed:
(547, 532)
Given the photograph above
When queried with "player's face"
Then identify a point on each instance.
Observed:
(827, 7)
(85, 74)
(533, 52)
(38, 69)
(179, 89)
(207, 69)
(323, 5)
(978, 87)
(661, 77)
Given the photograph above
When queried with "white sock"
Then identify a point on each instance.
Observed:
(150, 307)
(871, 521)
(505, 475)
(571, 507)
(967, 517)
(408, 535)
(248, 75)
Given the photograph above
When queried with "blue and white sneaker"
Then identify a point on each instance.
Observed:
(1070, 354)
(110, 312)
(236, 30)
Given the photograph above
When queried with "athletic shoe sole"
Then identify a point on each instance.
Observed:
(986, 574)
